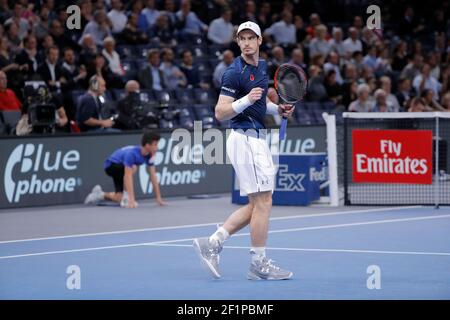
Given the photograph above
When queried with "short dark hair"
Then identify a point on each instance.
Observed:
(149, 137)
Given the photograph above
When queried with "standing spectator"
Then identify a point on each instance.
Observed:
(117, 17)
(173, 77)
(151, 77)
(227, 60)
(220, 30)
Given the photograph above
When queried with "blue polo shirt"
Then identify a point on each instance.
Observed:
(237, 81)
(128, 156)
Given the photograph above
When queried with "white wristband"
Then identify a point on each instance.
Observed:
(272, 108)
(241, 104)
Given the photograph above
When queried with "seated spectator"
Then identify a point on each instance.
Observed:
(385, 84)
(277, 59)
(112, 56)
(27, 58)
(61, 38)
(72, 72)
(425, 81)
(221, 30)
(173, 77)
(445, 101)
(319, 44)
(363, 103)
(350, 89)
(370, 59)
(162, 31)
(400, 59)
(89, 108)
(334, 89)
(117, 17)
(404, 93)
(131, 34)
(333, 64)
(98, 28)
(430, 102)
(151, 13)
(13, 70)
(100, 68)
(352, 43)
(412, 69)
(416, 105)
(193, 26)
(88, 50)
(282, 32)
(297, 58)
(22, 23)
(8, 99)
(337, 43)
(191, 71)
(50, 71)
(227, 60)
(141, 19)
(151, 77)
(316, 90)
(381, 102)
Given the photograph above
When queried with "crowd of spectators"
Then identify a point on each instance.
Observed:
(172, 45)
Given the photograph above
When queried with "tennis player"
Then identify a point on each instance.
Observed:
(243, 99)
(121, 165)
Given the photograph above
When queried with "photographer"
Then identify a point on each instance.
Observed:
(133, 113)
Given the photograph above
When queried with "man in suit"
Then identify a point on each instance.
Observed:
(151, 77)
(50, 71)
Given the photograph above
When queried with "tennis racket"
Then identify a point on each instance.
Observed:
(291, 85)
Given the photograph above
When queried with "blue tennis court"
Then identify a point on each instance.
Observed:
(333, 253)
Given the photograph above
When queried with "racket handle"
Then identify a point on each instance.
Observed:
(283, 129)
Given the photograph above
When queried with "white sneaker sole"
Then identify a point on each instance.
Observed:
(205, 263)
(252, 276)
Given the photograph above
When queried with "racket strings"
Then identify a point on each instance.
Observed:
(291, 85)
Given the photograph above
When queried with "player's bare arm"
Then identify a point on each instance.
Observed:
(227, 108)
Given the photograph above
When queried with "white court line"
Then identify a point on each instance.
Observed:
(236, 235)
(320, 250)
(334, 213)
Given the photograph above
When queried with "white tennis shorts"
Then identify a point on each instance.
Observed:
(252, 162)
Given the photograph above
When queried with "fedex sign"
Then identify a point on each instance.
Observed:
(392, 156)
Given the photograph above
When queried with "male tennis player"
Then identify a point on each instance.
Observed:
(121, 165)
(243, 100)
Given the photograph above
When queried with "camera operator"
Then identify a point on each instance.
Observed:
(133, 112)
(42, 112)
(89, 108)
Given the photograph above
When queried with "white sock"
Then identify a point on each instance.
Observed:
(257, 253)
(221, 235)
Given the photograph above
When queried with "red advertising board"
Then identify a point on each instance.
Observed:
(392, 156)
